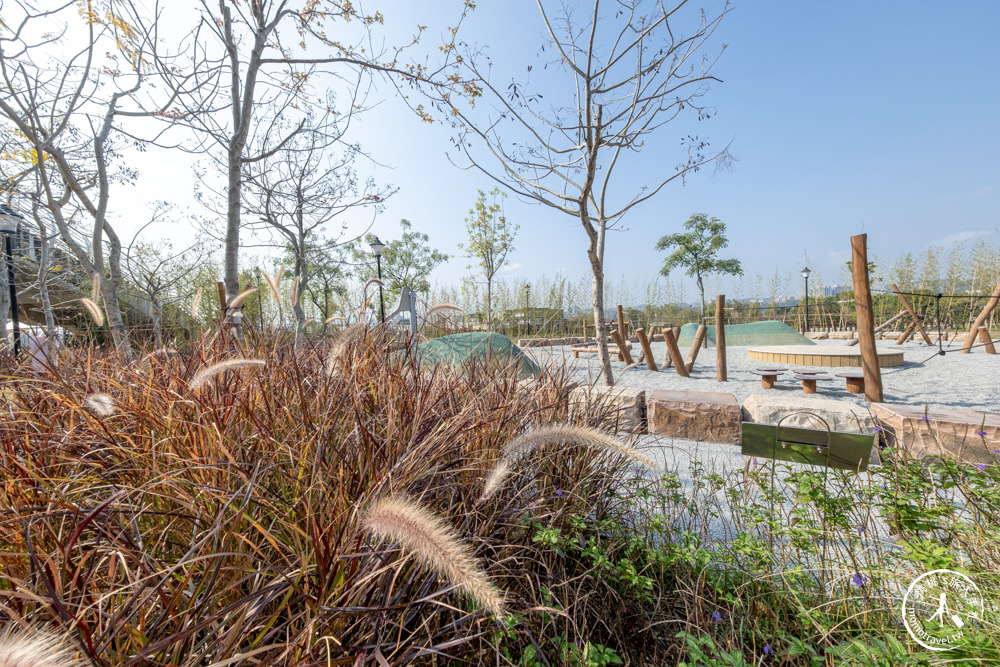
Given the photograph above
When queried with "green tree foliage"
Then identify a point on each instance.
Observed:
(491, 239)
(406, 261)
(697, 249)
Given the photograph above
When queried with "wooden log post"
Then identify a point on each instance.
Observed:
(866, 318)
(970, 338)
(699, 340)
(647, 351)
(622, 344)
(675, 353)
(720, 338)
(223, 305)
(907, 332)
(913, 314)
(585, 330)
(984, 336)
(621, 323)
(882, 327)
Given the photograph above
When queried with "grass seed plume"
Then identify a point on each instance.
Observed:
(208, 374)
(420, 533)
(32, 648)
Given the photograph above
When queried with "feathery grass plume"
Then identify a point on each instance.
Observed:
(241, 297)
(580, 436)
(440, 306)
(341, 342)
(207, 374)
(373, 281)
(33, 648)
(274, 283)
(495, 478)
(94, 310)
(196, 303)
(101, 405)
(421, 533)
(95, 286)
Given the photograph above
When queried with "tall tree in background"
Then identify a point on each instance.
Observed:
(491, 240)
(696, 251)
(305, 186)
(618, 74)
(406, 261)
(251, 63)
(67, 113)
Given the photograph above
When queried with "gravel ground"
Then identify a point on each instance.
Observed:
(953, 380)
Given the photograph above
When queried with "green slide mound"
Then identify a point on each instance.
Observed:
(768, 332)
(476, 348)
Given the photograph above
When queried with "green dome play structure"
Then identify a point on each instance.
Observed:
(768, 332)
(478, 349)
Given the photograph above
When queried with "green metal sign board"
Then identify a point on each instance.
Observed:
(834, 449)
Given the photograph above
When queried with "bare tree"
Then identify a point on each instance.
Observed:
(249, 63)
(302, 188)
(67, 110)
(627, 70)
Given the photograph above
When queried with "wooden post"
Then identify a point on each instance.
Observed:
(667, 333)
(984, 335)
(866, 318)
(913, 315)
(646, 350)
(974, 329)
(720, 338)
(221, 288)
(885, 325)
(621, 323)
(584, 329)
(675, 353)
(623, 352)
(907, 332)
(699, 340)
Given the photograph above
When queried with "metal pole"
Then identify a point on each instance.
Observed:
(807, 304)
(381, 301)
(13, 294)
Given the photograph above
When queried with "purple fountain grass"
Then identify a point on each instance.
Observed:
(422, 534)
(241, 297)
(340, 344)
(94, 310)
(196, 303)
(100, 404)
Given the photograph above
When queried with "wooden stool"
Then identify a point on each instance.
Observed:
(809, 382)
(855, 381)
(768, 376)
(806, 371)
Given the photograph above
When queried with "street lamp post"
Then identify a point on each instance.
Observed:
(805, 274)
(8, 227)
(377, 247)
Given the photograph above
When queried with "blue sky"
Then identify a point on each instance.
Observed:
(844, 117)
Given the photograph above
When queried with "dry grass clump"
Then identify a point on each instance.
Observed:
(195, 528)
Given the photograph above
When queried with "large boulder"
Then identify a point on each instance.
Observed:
(966, 435)
(627, 405)
(838, 415)
(694, 415)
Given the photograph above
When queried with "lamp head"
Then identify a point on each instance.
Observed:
(9, 220)
(377, 247)
(806, 272)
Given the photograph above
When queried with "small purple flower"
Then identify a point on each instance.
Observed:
(716, 616)
(768, 650)
(925, 420)
(883, 487)
(858, 580)
(559, 492)
(861, 529)
(981, 466)
(878, 429)
(981, 434)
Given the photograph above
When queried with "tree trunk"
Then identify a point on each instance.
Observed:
(301, 271)
(489, 304)
(595, 252)
(4, 296)
(43, 282)
(157, 326)
(113, 311)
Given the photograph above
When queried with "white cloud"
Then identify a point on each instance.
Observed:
(959, 237)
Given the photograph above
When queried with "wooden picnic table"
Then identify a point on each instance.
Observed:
(768, 376)
(855, 381)
(809, 381)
